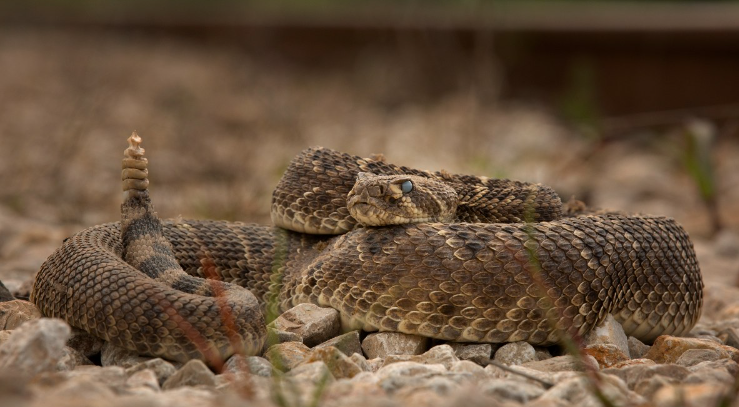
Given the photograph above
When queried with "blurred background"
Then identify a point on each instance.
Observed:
(632, 106)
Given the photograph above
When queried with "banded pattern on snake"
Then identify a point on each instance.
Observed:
(535, 279)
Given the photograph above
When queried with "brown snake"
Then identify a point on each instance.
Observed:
(538, 276)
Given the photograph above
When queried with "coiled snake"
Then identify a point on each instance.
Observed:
(523, 271)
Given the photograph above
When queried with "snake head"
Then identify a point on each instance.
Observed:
(379, 200)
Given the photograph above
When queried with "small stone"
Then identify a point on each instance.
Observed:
(634, 362)
(249, 364)
(430, 388)
(637, 348)
(78, 391)
(513, 390)
(578, 391)
(668, 349)
(111, 355)
(336, 361)
(608, 332)
(285, 356)
(112, 376)
(313, 373)
(728, 365)
(694, 356)
(479, 353)
(15, 312)
(36, 346)
(466, 366)
(85, 343)
(362, 362)
(71, 358)
(632, 375)
(715, 376)
(313, 323)
(533, 376)
(410, 375)
(145, 379)
(515, 353)
(182, 396)
(565, 363)
(193, 373)
(161, 368)
(606, 354)
(275, 336)
(705, 394)
(348, 343)
(382, 344)
(5, 294)
(375, 364)
(648, 387)
(402, 369)
(441, 354)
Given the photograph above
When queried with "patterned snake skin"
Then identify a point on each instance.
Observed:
(469, 282)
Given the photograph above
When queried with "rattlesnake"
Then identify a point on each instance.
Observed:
(542, 275)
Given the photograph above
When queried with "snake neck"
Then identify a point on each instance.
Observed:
(311, 197)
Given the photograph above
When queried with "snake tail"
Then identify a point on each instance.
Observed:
(147, 304)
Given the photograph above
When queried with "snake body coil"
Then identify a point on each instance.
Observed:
(469, 282)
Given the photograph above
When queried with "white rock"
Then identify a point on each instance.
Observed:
(348, 343)
(313, 323)
(361, 361)
(340, 365)
(285, 356)
(515, 353)
(578, 391)
(71, 358)
(312, 373)
(647, 388)
(382, 344)
(144, 379)
(249, 364)
(161, 368)
(112, 376)
(695, 356)
(82, 391)
(34, 347)
(16, 312)
(705, 394)
(513, 390)
(441, 354)
(634, 374)
(408, 369)
(466, 366)
(609, 332)
(193, 373)
(479, 353)
(566, 363)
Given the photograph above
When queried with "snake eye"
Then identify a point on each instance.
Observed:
(406, 186)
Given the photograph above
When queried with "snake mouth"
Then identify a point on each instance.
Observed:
(365, 212)
(369, 213)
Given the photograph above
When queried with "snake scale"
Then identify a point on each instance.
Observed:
(511, 266)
